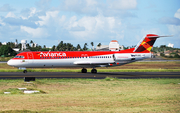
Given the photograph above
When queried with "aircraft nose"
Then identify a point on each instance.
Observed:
(10, 63)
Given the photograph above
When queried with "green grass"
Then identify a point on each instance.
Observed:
(93, 95)
(18, 111)
(12, 91)
(6, 58)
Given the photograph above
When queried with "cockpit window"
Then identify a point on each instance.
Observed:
(19, 57)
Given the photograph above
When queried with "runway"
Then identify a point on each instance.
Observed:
(99, 75)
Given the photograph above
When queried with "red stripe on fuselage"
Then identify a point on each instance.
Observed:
(63, 54)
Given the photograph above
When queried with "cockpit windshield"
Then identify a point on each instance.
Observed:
(19, 57)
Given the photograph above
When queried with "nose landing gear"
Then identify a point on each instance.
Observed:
(23, 68)
(25, 71)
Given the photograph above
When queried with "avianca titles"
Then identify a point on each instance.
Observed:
(84, 59)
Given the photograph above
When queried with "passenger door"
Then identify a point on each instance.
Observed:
(30, 58)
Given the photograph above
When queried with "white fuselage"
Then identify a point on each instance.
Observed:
(94, 61)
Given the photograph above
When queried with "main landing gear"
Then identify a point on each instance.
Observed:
(93, 71)
(84, 70)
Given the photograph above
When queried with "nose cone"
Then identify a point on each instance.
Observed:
(10, 63)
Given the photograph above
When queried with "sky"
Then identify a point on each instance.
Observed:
(47, 22)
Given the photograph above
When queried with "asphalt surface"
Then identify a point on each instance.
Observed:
(99, 75)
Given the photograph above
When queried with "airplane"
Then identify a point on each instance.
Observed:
(84, 59)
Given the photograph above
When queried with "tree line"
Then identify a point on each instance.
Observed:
(60, 47)
(6, 50)
(163, 48)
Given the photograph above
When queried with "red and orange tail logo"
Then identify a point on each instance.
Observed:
(147, 43)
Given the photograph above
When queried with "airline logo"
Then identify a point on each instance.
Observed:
(146, 44)
(52, 54)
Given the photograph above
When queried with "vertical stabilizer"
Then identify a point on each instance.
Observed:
(147, 43)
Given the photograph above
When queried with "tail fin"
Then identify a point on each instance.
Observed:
(147, 43)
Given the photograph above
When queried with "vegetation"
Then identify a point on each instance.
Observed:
(69, 47)
(163, 48)
(99, 45)
(92, 95)
(173, 52)
(6, 58)
(6, 51)
(60, 47)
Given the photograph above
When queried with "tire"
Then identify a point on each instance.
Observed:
(93, 71)
(25, 71)
(84, 70)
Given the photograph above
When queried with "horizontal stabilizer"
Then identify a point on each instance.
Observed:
(159, 36)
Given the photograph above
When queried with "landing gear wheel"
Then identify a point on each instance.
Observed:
(93, 71)
(25, 71)
(84, 70)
